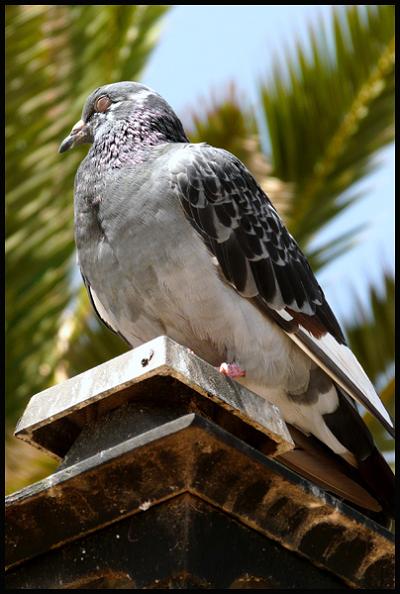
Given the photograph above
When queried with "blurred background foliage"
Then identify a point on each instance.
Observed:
(327, 112)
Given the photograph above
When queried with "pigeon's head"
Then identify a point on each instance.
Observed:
(125, 103)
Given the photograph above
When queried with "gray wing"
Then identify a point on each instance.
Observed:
(263, 262)
(257, 254)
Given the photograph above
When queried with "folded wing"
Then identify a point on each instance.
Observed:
(263, 262)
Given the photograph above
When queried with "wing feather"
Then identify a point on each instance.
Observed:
(262, 261)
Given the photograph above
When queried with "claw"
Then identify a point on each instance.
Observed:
(231, 370)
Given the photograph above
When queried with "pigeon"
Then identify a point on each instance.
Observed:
(177, 238)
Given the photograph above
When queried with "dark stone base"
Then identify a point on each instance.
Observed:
(184, 504)
(183, 543)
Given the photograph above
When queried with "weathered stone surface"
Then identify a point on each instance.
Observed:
(192, 455)
(54, 417)
(206, 547)
(168, 480)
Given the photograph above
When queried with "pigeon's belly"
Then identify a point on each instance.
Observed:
(161, 279)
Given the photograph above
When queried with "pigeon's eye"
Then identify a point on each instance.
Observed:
(102, 104)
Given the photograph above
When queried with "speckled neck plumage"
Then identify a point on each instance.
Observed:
(129, 141)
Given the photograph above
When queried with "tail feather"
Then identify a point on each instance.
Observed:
(370, 486)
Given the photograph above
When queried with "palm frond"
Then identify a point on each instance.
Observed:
(371, 336)
(83, 341)
(329, 109)
(371, 331)
(383, 440)
(55, 55)
(230, 123)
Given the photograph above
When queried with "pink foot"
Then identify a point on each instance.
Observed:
(231, 370)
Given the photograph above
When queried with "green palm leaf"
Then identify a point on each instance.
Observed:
(329, 109)
(231, 124)
(371, 331)
(371, 336)
(55, 56)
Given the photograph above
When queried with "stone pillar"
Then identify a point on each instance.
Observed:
(167, 480)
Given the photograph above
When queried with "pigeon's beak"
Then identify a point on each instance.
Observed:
(78, 135)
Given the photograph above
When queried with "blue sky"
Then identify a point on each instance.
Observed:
(203, 48)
